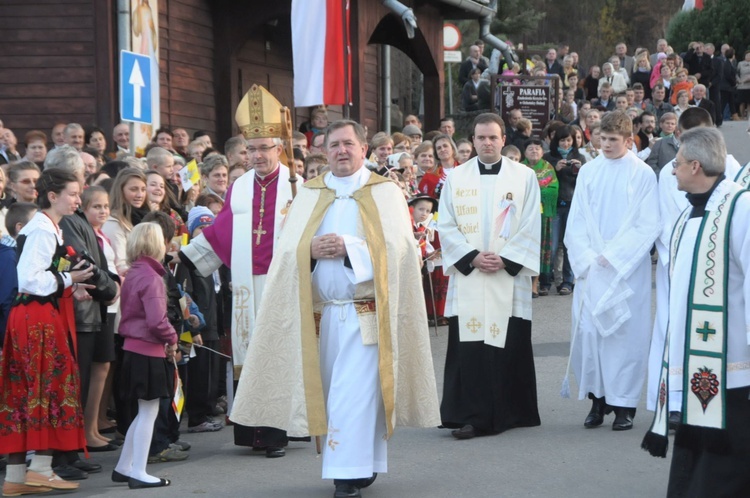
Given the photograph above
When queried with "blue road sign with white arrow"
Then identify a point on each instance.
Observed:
(135, 87)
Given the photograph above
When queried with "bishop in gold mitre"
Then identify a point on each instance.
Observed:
(244, 234)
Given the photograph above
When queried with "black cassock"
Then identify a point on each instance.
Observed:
(492, 389)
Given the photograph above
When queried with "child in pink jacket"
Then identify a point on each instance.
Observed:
(150, 341)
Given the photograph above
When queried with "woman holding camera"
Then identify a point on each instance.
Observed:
(566, 159)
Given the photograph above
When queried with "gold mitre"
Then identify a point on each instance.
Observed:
(259, 114)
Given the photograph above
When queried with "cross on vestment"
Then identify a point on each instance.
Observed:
(474, 325)
(705, 331)
(494, 330)
(258, 232)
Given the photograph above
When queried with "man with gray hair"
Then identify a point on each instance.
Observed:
(699, 100)
(95, 345)
(671, 203)
(709, 306)
(121, 139)
(661, 47)
(244, 235)
(74, 136)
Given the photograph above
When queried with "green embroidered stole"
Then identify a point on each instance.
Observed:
(704, 370)
(743, 177)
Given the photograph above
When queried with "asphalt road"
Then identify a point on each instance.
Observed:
(560, 458)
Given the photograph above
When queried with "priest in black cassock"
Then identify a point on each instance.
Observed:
(489, 219)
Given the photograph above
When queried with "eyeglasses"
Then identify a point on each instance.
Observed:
(263, 149)
(27, 181)
(676, 164)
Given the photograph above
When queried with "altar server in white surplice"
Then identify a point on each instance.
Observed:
(490, 228)
(613, 223)
(709, 321)
(672, 202)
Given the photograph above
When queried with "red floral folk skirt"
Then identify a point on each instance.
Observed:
(40, 406)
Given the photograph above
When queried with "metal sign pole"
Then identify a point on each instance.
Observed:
(450, 88)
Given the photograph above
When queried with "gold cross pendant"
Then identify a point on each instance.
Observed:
(258, 232)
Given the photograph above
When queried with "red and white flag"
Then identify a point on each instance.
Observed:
(321, 51)
(692, 4)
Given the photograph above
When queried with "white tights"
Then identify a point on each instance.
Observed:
(134, 454)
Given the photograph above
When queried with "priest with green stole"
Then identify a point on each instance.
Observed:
(244, 237)
(341, 346)
(490, 227)
(708, 340)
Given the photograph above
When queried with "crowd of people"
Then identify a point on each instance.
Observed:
(128, 287)
(717, 80)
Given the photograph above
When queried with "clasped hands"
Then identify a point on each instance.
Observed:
(328, 246)
(488, 262)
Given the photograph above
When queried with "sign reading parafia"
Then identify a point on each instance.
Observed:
(532, 100)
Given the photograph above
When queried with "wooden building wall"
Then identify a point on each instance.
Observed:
(57, 63)
(186, 51)
(60, 61)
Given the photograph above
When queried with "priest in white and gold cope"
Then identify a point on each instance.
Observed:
(708, 341)
(244, 236)
(340, 346)
(490, 227)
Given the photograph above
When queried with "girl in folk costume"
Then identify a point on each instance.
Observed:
(149, 339)
(40, 406)
(431, 185)
(548, 186)
(423, 210)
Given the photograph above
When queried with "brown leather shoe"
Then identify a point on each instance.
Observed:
(40, 480)
(20, 489)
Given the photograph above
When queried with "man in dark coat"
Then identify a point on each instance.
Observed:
(700, 100)
(473, 61)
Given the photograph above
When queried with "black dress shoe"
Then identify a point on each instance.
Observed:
(136, 484)
(274, 452)
(595, 418)
(675, 418)
(86, 466)
(117, 477)
(70, 473)
(345, 488)
(99, 449)
(465, 432)
(366, 481)
(623, 419)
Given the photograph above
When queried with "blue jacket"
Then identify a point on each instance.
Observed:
(8, 285)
